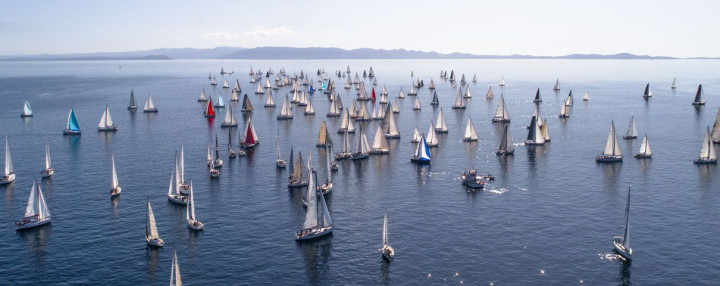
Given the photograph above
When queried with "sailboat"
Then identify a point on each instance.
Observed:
(470, 133)
(213, 81)
(538, 98)
(173, 193)
(72, 127)
(388, 253)
(441, 126)
(632, 132)
(9, 176)
(612, 151)
(501, 113)
(416, 105)
(36, 211)
(707, 151)
(395, 108)
(209, 111)
(285, 111)
(699, 97)
(569, 99)
(648, 93)
(225, 84)
(535, 136)
(334, 107)
(363, 114)
(564, 111)
(250, 138)
(149, 105)
(279, 162)
(622, 243)
(435, 101)
(557, 85)
(346, 124)
(506, 146)
(220, 101)
(309, 110)
(392, 129)
(27, 111)
(219, 162)
(175, 279)
(432, 138)
(106, 122)
(586, 97)
(214, 172)
(645, 151)
(361, 148)
(203, 97)
(715, 135)
(180, 175)
(401, 94)
(231, 152)
(323, 136)
(674, 83)
(133, 103)
(116, 189)
(345, 151)
(413, 91)
(246, 106)
(230, 120)
(192, 221)
(459, 101)
(380, 144)
(269, 101)
(422, 153)
(260, 89)
(49, 171)
(416, 136)
(151, 233)
(318, 221)
(237, 87)
(502, 82)
(326, 187)
(296, 180)
(489, 94)
(545, 131)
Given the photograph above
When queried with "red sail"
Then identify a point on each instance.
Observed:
(373, 94)
(249, 139)
(210, 112)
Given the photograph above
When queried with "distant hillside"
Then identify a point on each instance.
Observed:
(298, 53)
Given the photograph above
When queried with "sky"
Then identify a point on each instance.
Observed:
(529, 27)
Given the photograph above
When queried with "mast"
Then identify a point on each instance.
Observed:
(328, 151)
(47, 155)
(114, 173)
(385, 230)
(626, 232)
(8, 159)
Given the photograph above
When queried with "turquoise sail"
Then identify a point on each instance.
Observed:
(72, 122)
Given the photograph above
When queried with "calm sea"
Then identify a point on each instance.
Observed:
(548, 218)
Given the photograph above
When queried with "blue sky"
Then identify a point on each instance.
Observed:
(670, 28)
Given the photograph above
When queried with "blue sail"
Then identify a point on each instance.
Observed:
(425, 152)
(72, 122)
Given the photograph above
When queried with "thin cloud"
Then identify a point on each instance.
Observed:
(265, 32)
(221, 35)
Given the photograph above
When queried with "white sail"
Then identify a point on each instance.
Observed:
(152, 227)
(385, 241)
(432, 139)
(416, 135)
(645, 147)
(106, 120)
(416, 106)
(501, 113)
(181, 165)
(470, 133)
(459, 101)
(203, 97)
(8, 159)
(489, 93)
(175, 279)
(632, 129)
(626, 230)
(557, 85)
(586, 97)
(149, 105)
(326, 219)
(612, 147)
(674, 83)
(190, 211)
(502, 81)
(392, 130)
(402, 93)
(27, 111)
(545, 131)
(260, 89)
(441, 126)
(48, 162)
(115, 183)
(506, 144)
(229, 117)
(379, 142)
(715, 135)
(535, 136)
(36, 203)
(269, 101)
(707, 151)
(564, 111)
(311, 218)
(285, 111)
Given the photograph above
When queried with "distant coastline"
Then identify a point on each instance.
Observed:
(289, 53)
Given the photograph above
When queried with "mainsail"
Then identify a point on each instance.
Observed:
(612, 147)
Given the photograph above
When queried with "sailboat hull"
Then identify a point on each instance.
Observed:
(154, 242)
(421, 161)
(227, 124)
(280, 164)
(152, 110)
(608, 159)
(71, 132)
(195, 225)
(388, 253)
(326, 188)
(27, 223)
(699, 161)
(134, 107)
(620, 248)
(643, 156)
(47, 173)
(178, 199)
(7, 179)
(30, 115)
(504, 153)
(108, 128)
(500, 120)
(629, 137)
(313, 233)
(115, 191)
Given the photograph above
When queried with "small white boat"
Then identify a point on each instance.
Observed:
(133, 103)
(459, 101)
(489, 94)
(72, 127)
(632, 132)
(345, 152)
(225, 84)
(502, 82)
(203, 97)
(432, 138)
(501, 113)
(9, 176)
(506, 146)
(557, 85)
(173, 193)
(192, 221)
(362, 148)
(380, 144)
(707, 151)
(388, 253)
(564, 111)
(175, 279)
(392, 129)
(309, 110)
(49, 171)
(569, 100)
(612, 151)
(285, 111)
(318, 221)
(699, 97)
(151, 233)
(402, 93)
(645, 151)
(346, 124)
(296, 179)
(269, 101)
(416, 105)
(106, 122)
(115, 189)
(149, 105)
(586, 97)
(622, 243)
(27, 111)
(36, 212)
(260, 89)
(470, 133)
(214, 172)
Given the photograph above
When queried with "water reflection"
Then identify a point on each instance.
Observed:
(74, 144)
(316, 254)
(706, 173)
(624, 277)
(611, 174)
(385, 272)
(422, 173)
(36, 240)
(115, 201)
(152, 256)
(9, 195)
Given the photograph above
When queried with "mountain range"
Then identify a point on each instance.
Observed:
(297, 53)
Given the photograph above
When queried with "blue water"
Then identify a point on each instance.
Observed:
(548, 218)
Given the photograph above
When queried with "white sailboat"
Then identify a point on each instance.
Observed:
(586, 97)
(545, 131)
(707, 151)
(622, 243)
(106, 122)
(184, 187)
(557, 85)
(501, 113)
(203, 97)
(173, 193)
(432, 138)
(27, 111)
(470, 133)
(346, 124)
(296, 179)
(416, 105)
(214, 172)
(699, 97)
(416, 136)
(535, 136)
(569, 100)
(269, 101)
(218, 162)
(36, 211)
(318, 221)
(345, 151)
(326, 187)
(9, 176)
(612, 151)
(151, 233)
(674, 83)
(309, 110)
(474, 80)
(459, 101)
(632, 132)
(225, 84)
(388, 253)
(285, 111)
(564, 111)
(413, 91)
(260, 89)
(402, 93)
(506, 146)
(229, 120)
(115, 189)
(192, 221)
(489, 94)
(715, 135)
(395, 108)
(334, 107)
(149, 106)
(49, 171)
(392, 129)
(645, 151)
(362, 148)
(133, 104)
(380, 144)
(279, 162)
(502, 82)
(175, 279)
(441, 126)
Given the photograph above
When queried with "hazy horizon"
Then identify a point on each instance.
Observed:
(523, 27)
